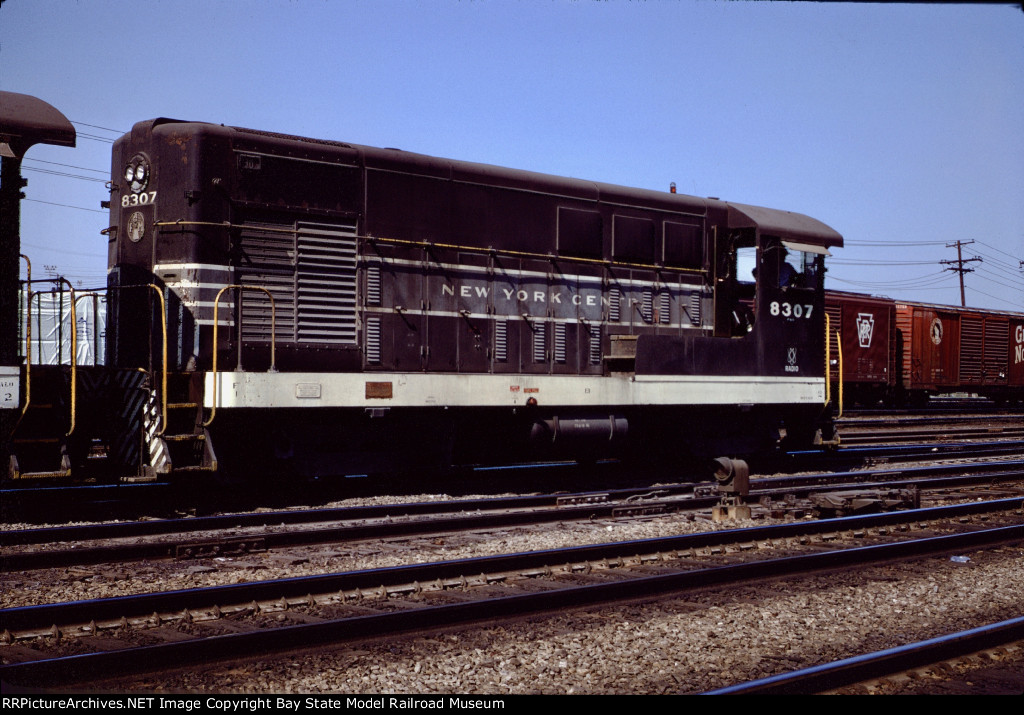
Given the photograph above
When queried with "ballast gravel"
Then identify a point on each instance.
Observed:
(693, 643)
(685, 645)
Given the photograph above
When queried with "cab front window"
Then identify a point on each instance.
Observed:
(794, 265)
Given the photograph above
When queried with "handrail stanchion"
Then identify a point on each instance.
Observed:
(163, 383)
(216, 325)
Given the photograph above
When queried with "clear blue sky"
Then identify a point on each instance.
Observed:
(898, 125)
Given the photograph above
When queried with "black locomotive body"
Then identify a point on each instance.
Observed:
(387, 308)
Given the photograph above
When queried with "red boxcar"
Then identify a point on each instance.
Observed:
(949, 349)
(901, 352)
(865, 327)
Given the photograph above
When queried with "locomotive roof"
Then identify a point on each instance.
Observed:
(795, 227)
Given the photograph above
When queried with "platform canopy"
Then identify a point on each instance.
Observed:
(26, 121)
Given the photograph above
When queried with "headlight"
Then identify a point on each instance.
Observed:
(137, 173)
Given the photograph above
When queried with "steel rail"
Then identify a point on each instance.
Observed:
(849, 671)
(20, 504)
(773, 485)
(489, 514)
(44, 616)
(68, 670)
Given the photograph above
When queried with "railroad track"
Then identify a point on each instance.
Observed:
(905, 433)
(128, 502)
(77, 545)
(405, 600)
(883, 665)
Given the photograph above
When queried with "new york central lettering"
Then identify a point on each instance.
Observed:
(526, 296)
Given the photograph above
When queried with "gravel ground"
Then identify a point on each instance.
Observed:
(110, 580)
(690, 644)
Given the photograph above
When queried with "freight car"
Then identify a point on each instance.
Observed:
(948, 349)
(286, 305)
(901, 353)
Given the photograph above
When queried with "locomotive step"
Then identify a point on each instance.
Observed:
(44, 475)
(184, 437)
(194, 468)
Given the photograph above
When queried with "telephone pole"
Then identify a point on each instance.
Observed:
(959, 268)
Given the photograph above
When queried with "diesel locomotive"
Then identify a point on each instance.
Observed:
(294, 306)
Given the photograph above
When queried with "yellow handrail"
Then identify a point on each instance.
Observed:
(216, 325)
(828, 366)
(839, 352)
(163, 385)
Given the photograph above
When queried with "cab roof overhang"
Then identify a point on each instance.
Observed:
(792, 227)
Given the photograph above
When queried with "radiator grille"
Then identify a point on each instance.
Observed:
(310, 269)
(267, 260)
(326, 280)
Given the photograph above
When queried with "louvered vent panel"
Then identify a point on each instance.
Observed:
(694, 309)
(647, 305)
(373, 284)
(971, 341)
(326, 284)
(614, 298)
(373, 341)
(268, 261)
(595, 344)
(665, 307)
(560, 343)
(501, 340)
(539, 343)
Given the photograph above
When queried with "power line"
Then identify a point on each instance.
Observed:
(94, 126)
(900, 285)
(52, 172)
(83, 135)
(892, 243)
(989, 295)
(999, 250)
(850, 262)
(67, 206)
(1004, 285)
(69, 166)
(37, 247)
